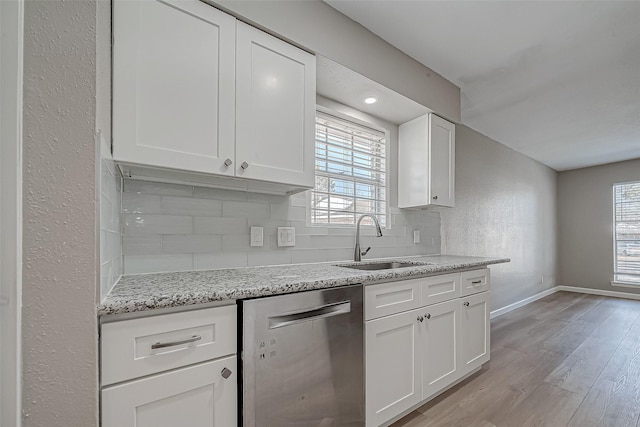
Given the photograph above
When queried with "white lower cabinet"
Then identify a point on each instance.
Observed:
(170, 370)
(197, 396)
(475, 332)
(439, 341)
(412, 355)
(392, 365)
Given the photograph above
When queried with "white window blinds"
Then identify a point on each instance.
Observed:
(626, 200)
(350, 173)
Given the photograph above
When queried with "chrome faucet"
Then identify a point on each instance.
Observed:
(357, 256)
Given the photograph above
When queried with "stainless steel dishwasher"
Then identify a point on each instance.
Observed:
(302, 359)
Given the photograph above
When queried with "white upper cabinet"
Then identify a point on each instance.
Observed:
(426, 162)
(173, 85)
(199, 97)
(275, 111)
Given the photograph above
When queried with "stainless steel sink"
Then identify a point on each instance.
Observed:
(384, 265)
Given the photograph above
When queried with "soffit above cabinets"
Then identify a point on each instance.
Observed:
(337, 82)
(556, 81)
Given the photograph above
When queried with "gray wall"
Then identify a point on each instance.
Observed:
(59, 323)
(505, 207)
(315, 25)
(585, 221)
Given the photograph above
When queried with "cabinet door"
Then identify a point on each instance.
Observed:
(442, 141)
(173, 85)
(197, 396)
(392, 366)
(439, 344)
(475, 331)
(275, 110)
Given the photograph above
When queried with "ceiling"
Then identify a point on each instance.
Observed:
(341, 84)
(558, 81)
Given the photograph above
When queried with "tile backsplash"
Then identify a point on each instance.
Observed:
(111, 263)
(169, 227)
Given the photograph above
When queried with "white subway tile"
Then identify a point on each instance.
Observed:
(245, 209)
(141, 203)
(191, 243)
(238, 242)
(172, 205)
(332, 242)
(163, 189)
(267, 198)
(136, 224)
(219, 225)
(138, 264)
(301, 228)
(290, 213)
(142, 245)
(219, 260)
(340, 255)
(269, 257)
(308, 255)
(219, 194)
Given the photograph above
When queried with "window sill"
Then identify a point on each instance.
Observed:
(625, 284)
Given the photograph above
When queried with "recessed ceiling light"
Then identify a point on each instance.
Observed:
(370, 100)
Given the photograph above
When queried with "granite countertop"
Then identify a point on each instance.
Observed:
(141, 292)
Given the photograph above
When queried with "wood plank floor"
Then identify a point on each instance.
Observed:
(566, 360)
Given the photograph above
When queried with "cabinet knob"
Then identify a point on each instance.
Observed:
(228, 162)
(420, 319)
(435, 197)
(244, 165)
(466, 303)
(428, 316)
(226, 373)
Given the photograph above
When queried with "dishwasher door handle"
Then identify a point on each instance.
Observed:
(321, 312)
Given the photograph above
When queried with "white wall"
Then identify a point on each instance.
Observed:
(318, 27)
(585, 221)
(60, 341)
(505, 207)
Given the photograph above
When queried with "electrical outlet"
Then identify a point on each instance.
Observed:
(257, 236)
(286, 236)
(416, 236)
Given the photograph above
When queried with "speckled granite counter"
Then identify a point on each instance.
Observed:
(152, 291)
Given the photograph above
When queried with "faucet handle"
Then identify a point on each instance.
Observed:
(363, 253)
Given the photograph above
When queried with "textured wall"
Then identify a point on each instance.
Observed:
(315, 25)
(585, 223)
(59, 274)
(505, 207)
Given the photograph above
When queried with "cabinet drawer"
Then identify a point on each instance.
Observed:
(390, 298)
(475, 281)
(138, 347)
(440, 288)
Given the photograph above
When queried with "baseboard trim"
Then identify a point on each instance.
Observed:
(614, 294)
(590, 291)
(528, 300)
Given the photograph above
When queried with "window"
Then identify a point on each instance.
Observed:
(626, 201)
(350, 172)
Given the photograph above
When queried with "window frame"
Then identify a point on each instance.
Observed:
(387, 145)
(616, 281)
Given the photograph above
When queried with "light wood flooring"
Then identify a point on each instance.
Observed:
(566, 360)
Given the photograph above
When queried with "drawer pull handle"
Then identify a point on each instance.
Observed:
(226, 373)
(174, 343)
(476, 282)
(428, 316)
(244, 165)
(228, 162)
(420, 319)
(466, 304)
